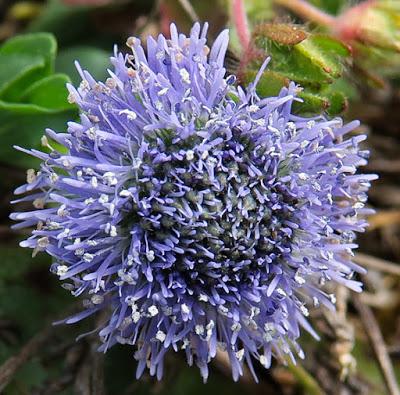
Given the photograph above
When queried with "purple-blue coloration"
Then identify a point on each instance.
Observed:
(201, 216)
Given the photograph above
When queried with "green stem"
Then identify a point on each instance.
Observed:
(307, 11)
(305, 380)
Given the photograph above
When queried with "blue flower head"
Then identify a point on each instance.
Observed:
(197, 214)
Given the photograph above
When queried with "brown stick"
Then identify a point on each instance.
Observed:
(374, 334)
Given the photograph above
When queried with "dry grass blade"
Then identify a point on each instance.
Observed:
(98, 387)
(378, 345)
(378, 264)
(384, 218)
(185, 4)
(82, 379)
(385, 166)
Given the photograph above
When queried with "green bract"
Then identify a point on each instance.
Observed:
(314, 61)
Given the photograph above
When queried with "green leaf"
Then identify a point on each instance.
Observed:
(15, 67)
(32, 57)
(36, 44)
(95, 60)
(24, 124)
(50, 93)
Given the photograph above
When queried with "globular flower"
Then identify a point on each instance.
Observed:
(197, 214)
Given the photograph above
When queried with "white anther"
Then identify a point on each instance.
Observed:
(88, 257)
(64, 233)
(53, 177)
(239, 354)
(91, 133)
(30, 176)
(97, 299)
(79, 251)
(263, 361)
(190, 155)
(186, 343)
(131, 115)
(109, 178)
(113, 231)
(38, 203)
(62, 211)
(304, 311)
(185, 309)
(160, 335)
(43, 242)
(153, 311)
(203, 298)
(162, 92)
(94, 182)
(299, 279)
(136, 316)
(61, 270)
(303, 176)
(136, 162)
(253, 108)
(103, 198)
(124, 193)
(185, 76)
(150, 255)
(260, 122)
(204, 155)
(71, 98)
(199, 329)
(236, 327)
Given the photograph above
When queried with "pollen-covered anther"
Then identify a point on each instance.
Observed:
(62, 270)
(30, 176)
(153, 311)
(39, 203)
(131, 115)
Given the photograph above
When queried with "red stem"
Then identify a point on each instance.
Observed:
(240, 22)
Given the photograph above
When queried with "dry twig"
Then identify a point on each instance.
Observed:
(378, 345)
